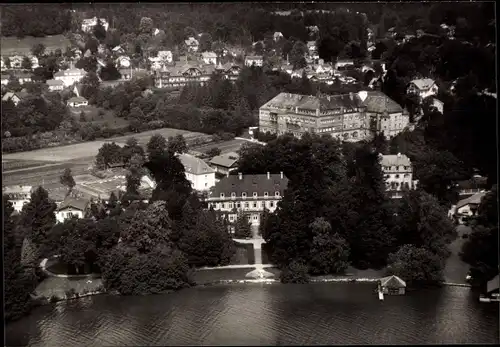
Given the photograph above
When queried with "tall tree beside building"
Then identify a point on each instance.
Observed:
(109, 153)
(205, 42)
(38, 50)
(130, 149)
(38, 216)
(177, 144)
(133, 178)
(156, 146)
(110, 72)
(26, 64)
(297, 55)
(242, 227)
(99, 31)
(67, 179)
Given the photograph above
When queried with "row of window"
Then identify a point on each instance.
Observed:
(254, 194)
(397, 176)
(395, 168)
(255, 204)
(232, 217)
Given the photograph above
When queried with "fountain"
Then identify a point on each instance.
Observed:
(259, 274)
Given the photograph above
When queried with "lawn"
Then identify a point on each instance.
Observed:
(106, 117)
(22, 164)
(13, 45)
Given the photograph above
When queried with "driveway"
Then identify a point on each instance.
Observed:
(456, 270)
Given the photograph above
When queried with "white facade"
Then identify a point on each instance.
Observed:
(423, 88)
(70, 76)
(201, 176)
(16, 61)
(209, 58)
(165, 56)
(254, 60)
(18, 196)
(123, 61)
(68, 212)
(398, 174)
(201, 182)
(55, 85)
(89, 24)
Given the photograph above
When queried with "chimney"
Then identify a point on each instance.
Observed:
(240, 175)
(281, 174)
(268, 175)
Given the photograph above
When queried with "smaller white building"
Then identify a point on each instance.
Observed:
(209, 58)
(15, 97)
(18, 196)
(16, 61)
(423, 87)
(123, 61)
(192, 44)
(70, 76)
(201, 176)
(343, 64)
(34, 62)
(165, 56)
(398, 174)
(468, 207)
(90, 23)
(256, 60)
(277, 35)
(78, 101)
(55, 85)
(72, 207)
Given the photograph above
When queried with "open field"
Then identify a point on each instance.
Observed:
(8, 165)
(92, 116)
(225, 146)
(13, 45)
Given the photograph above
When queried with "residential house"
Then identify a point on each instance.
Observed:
(118, 50)
(55, 85)
(16, 61)
(229, 71)
(471, 186)
(201, 176)
(209, 58)
(4, 79)
(398, 174)
(277, 35)
(311, 47)
(123, 61)
(350, 117)
(18, 196)
(247, 194)
(72, 207)
(22, 77)
(77, 101)
(90, 23)
(34, 62)
(166, 56)
(192, 44)
(178, 76)
(256, 60)
(15, 97)
(225, 163)
(468, 206)
(343, 64)
(70, 76)
(392, 285)
(423, 87)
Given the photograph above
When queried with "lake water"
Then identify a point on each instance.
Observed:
(263, 314)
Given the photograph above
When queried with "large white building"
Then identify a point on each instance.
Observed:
(18, 196)
(398, 174)
(70, 76)
(247, 194)
(201, 176)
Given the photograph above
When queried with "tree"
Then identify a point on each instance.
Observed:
(38, 50)
(130, 149)
(212, 152)
(329, 251)
(83, 119)
(38, 217)
(416, 266)
(296, 272)
(146, 25)
(109, 153)
(297, 55)
(242, 227)
(156, 146)
(205, 42)
(6, 61)
(77, 244)
(67, 179)
(133, 178)
(177, 144)
(99, 31)
(26, 64)
(110, 72)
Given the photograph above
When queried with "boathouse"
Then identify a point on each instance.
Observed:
(492, 286)
(392, 285)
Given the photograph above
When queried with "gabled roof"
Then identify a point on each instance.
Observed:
(493, 284)
(393, 282)
(80, 204)
(55, 82)
(77, 99)
(395, 160)
(474, 199)
(9, 95)
(226, 160)
(378, 102)
(253, 57)
(250, 184)
(308, 102)
(423, 83)
(209, 55)
(194, 165)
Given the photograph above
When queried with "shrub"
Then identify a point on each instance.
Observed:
(53, 298)
(295, 272)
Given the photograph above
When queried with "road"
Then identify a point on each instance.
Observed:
(456, 270)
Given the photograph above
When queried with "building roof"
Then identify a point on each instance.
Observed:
(80, 204)
(194, 165)
(393, 282)
(55, 82)
(209, 55)
(253, 57)
(308, 102)
(395, 160)
(226, 160)
(474, 199)
(17, 189)
(493, 284)
(378, 102)
(423, 83)
(77, 99)
(21, 95)
(250, 184)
